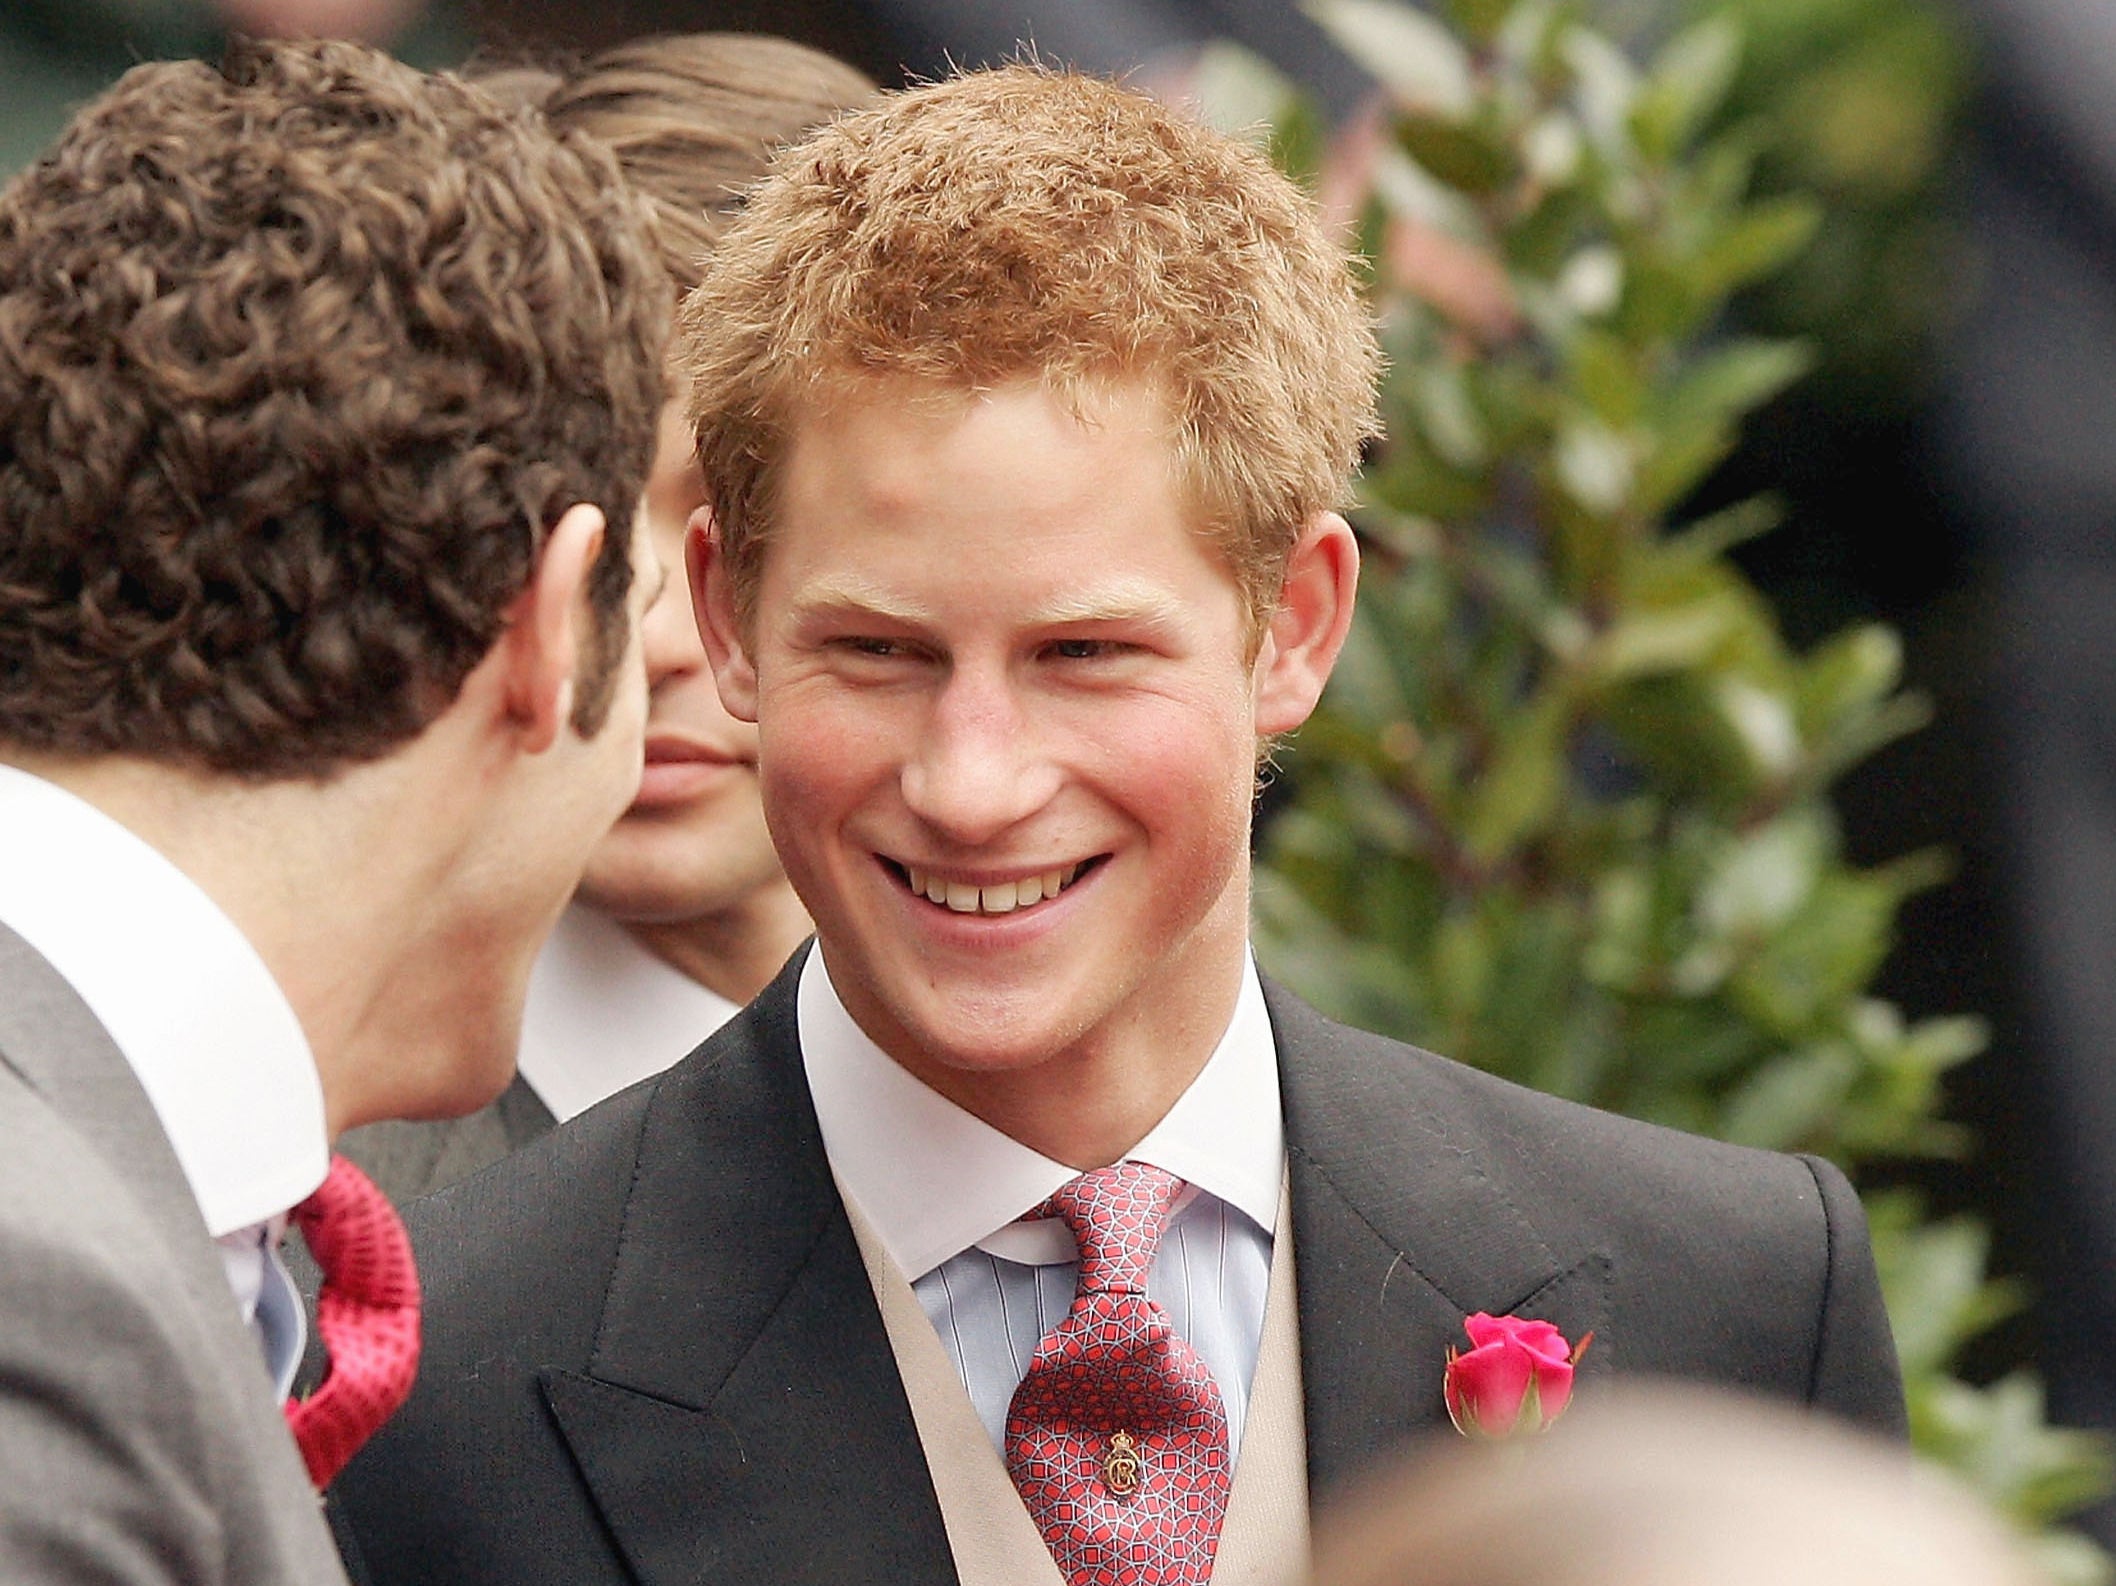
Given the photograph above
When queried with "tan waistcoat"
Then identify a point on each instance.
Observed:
(995, 1543)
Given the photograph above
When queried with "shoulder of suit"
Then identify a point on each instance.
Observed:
(1513, 1128)
(97, 1324)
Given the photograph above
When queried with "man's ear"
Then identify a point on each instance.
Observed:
(1308, 628)
(546, 628)
(713, 601)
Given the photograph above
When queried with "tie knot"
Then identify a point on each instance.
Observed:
(1116, 1214)
(357, 1237)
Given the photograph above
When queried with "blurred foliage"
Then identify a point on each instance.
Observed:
(1861, 103)
(1564, 811)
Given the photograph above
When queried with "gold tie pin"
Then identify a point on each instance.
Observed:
(1120, 1466)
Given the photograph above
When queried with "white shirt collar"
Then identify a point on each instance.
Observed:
(182, 994)
(603, 1012)
(933, 1180)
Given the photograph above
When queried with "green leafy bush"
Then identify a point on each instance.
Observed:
(1564, 812)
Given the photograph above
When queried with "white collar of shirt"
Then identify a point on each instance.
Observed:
(603, 1012)
(933, 1180)
(182, 994)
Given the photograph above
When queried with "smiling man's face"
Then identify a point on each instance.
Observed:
(991, 660)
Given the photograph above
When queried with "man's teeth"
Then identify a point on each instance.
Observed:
(1004, 898)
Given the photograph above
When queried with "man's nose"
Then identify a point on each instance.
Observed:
(979, 767)
(668, 633)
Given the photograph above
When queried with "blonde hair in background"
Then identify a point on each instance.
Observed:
(693, 119)
(1029, 223)
(1668, 1486)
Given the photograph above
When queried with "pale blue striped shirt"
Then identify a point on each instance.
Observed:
(944, 1191)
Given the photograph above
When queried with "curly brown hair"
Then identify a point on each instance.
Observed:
(1026, 222)
(693, 118)
(300, 360)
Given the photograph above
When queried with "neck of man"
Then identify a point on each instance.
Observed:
(363, 948)
(732, 951)
(1092, 1101)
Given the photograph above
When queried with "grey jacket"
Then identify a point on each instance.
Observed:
(140, 1440)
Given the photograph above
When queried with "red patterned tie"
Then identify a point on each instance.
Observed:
(1117, 1437)
(367, 1312)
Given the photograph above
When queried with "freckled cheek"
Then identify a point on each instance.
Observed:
(820, 765)
(1188, 774)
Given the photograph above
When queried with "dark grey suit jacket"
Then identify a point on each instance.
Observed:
(140, 1439)
(653, 1354)
(409, 1159)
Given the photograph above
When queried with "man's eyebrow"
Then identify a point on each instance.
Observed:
(844, 596)
(1116, 601)
(1127, 600)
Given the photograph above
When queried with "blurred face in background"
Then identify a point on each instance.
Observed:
(372, 21)
(693, 842)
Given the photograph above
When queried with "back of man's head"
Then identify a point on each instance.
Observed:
(300, 360)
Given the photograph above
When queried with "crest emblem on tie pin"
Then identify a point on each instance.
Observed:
(1120, 1466)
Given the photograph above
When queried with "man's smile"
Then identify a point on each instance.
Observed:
(999, 897)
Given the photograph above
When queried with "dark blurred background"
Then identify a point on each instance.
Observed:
(1951, 468)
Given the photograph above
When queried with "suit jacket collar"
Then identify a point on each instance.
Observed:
(1402, 1228)
(741, 1417)
(738, 1304)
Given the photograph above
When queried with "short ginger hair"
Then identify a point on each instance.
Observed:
(301, 358)
(1025, 222)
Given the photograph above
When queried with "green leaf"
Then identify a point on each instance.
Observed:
(1461, 155)
(2001, 1441)
(1765, 877)
(1679, 461)
(1823, 954)
(1782, 1105)
(1595, 465)
(1607, 374)
(1736, 378)
(1762, 242)
(1686, 83)
(1440, 396)
(1592, 281)
(1932, 1275)
(1240, 92)
(1849, 673)
(1607, 85)
(1675, 635)
(1517, 793)
(1709, 538)
(1763, 723)
(1415, 58)
(1550, 150)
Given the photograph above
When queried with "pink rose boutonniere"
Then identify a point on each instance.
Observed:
(1516, 1377)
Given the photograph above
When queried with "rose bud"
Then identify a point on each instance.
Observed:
(1516, 1377)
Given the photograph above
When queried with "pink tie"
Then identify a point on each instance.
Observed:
(367, 1312)
(1117, 1438)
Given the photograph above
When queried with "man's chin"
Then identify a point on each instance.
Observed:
(641, 886)
(982, 1044)
(478, 1081)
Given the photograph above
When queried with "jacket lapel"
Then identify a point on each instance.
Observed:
(49, 1037)
(1402, 1229)
(741, 1418)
